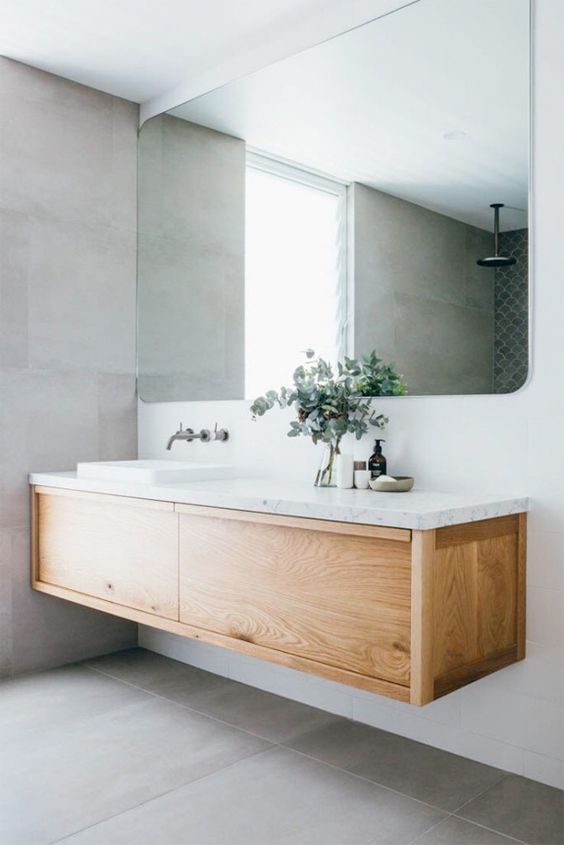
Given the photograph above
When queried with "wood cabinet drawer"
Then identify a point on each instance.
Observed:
(119, 549)
(315, 591)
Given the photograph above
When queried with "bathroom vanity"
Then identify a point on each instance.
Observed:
(408, 596)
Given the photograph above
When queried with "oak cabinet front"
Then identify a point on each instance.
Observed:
(111, 547)
(323, 595)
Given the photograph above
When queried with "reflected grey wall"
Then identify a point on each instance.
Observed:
(511, 355)
(191, 262)
(420, 299)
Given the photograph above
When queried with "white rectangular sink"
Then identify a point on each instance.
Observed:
(153, 472)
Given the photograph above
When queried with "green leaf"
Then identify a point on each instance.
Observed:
(333, 401)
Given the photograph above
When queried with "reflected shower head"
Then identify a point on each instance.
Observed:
(496, 260)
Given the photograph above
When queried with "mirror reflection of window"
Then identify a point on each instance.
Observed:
(295, 270)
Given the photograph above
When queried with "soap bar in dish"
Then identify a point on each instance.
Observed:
(388, 484)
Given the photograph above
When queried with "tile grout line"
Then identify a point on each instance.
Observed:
(184, 706)
(453, 815)
(492, 830)
(365, 779)
(503, 777)
(161, 795)
(429, 829)
(479, 794)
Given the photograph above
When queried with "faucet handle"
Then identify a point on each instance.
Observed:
(220, 434)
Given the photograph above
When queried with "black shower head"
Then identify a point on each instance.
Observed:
(496, 260)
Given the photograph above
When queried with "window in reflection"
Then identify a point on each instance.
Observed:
(295, 270)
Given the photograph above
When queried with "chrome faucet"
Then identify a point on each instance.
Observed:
(204, 435)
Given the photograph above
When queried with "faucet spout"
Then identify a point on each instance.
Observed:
(205, 435)
(187, 434)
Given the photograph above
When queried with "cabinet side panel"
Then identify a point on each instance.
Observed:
(497, 594)
(476, 585)
(455, 597)
(422, 605)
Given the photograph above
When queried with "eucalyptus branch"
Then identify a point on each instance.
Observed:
(330, 406)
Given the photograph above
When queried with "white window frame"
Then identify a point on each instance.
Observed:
(314, 179)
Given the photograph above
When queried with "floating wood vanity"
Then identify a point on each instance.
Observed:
(409, 613)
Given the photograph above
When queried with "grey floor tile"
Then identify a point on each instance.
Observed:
(55, 782)
(270, 716)
(58, 699)
(158, 674)
(420, 771)
(521, 808)
(455, 831)
(271, 799)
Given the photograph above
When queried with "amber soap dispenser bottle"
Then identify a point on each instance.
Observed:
(377, 462)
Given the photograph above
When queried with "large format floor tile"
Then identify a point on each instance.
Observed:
(270, 716)
(58, 699)
(521, 808)
(121, 750)
(270, 799)
(55, 782)
(421, 771)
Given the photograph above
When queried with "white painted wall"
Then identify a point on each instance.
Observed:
(513, 719)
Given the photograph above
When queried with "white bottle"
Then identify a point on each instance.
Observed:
(344, 471)
(361, 475)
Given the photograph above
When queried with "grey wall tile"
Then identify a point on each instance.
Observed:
(67, 321)
(6, 557)
(117, 417)
(58, 147)
(21, 82)
(82, 297)
(14, 249)
(48, 421)
(443, 348)
(123, 209)
(191, 262)
(480, 281)
(414, 269)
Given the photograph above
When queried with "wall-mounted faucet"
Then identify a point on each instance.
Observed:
(204, 435)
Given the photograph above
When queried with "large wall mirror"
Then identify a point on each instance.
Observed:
(341, 200)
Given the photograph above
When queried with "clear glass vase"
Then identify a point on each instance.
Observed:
(327, 472)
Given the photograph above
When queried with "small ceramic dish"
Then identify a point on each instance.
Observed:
(400, 484)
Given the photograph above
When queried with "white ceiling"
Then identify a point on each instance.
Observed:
(375, 104)
(138, 49)
(469, 53)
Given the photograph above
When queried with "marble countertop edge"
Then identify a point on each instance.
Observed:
(418, 510)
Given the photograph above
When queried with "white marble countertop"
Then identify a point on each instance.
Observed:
(418, 509)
